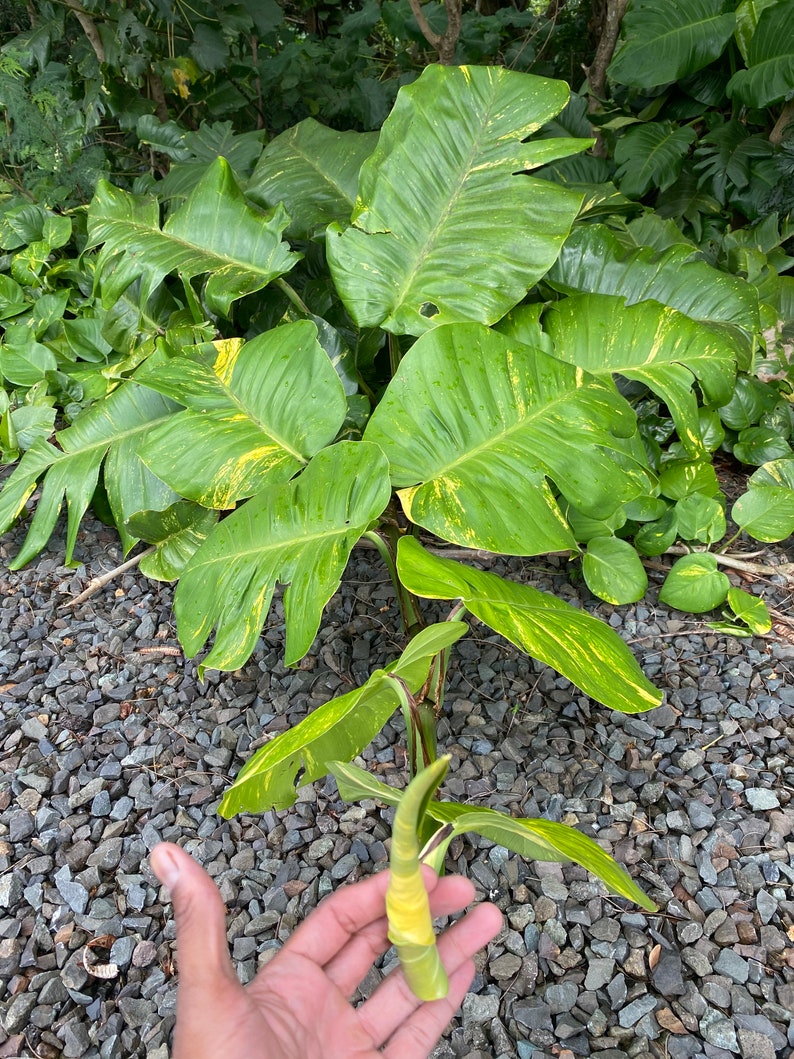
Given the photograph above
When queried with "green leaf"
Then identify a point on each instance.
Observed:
(759, 445)
(85, 340)
(751, 610)
(339, 729)
(532, 839)
(114, 426)
(680, 478)
(778, 472)
(700, 518)
(766, 512)
(301, 534)
(750, 399)
(24, 363)
(593, 259)
(12, 298)
(747, 14)
(652, 344)
(178, 532)
(314, 172)
(650, 156)
(215, 232)
(582, 648)
(656, 537)
(556, 842)
(695, 584)
(769, 77)
(613, 571)
(668, 41)
(448, 226)
(256, 413)
(477, 419)
(726, 157)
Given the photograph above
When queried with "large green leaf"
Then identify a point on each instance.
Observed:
(613, 571)
(652, 344)
(215, 231)
(448, 226)
(533, 839)
(114, 426)
(299, 533)
(314, 172)
(177, 532)
(256, 412)
(747, 15)
(766, 510)
(664, 42)
(340, 728)
(650, 156)
(593, 259)
(481, 421)
(770, 60)
(582, 648)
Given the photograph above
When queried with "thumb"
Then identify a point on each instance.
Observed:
(203, 951)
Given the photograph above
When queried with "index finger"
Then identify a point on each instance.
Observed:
(347, 911)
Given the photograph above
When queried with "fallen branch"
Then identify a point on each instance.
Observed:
(98, 583)
(737, 562)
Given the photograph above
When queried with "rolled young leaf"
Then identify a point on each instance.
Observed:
(407, 904)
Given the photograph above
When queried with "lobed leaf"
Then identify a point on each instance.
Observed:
(215, 231)
(448, 226)
(300, 534)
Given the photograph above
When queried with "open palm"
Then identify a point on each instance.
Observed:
(299, 1004)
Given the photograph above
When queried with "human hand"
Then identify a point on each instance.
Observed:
(299, 1004)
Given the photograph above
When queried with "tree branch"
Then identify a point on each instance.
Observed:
(778, 133)
(89, 28)
(445, 42)
(597, 72)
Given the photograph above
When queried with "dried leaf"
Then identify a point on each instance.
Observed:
(100, 970)
(653, 956)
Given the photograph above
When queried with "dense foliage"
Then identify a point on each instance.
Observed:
(514, 320)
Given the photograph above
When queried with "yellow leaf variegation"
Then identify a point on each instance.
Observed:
(407, 904)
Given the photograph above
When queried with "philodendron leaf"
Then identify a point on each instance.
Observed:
(655, 538)
(339, 729)
(770, 60)
(256, 413)
(766, 512)
(751, 610)
(299, 533)
(593, 259)
(448, 225)
(113, 427)
(747, 14)
(665, 42)
(582, 648)
(648, 343)
(613, 571)
(695, 584)
(700, 518)
(758, 445)
(313, 171)
(474, 423)
(533, 839)
(651, 156)
(215, 231)
(177, 532)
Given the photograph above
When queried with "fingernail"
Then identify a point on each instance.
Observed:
(166, 867)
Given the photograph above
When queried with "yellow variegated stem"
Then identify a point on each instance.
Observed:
(407, 904)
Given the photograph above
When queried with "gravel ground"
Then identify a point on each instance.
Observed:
(109, 743)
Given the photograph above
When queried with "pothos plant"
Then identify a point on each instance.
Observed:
(438, 363)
